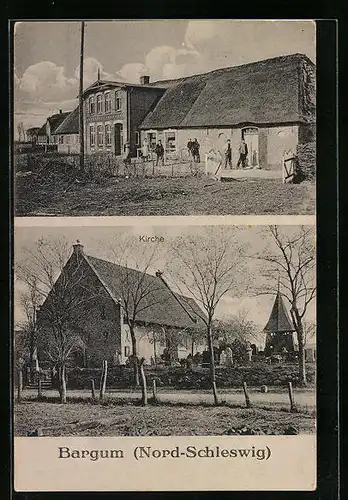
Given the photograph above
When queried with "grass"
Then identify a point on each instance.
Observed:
(162, 196)
(84, 418)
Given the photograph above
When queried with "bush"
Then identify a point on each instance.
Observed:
(255, 374)
(306, 160)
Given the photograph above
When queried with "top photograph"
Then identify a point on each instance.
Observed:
(164, 117)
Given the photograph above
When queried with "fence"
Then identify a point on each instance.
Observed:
(107, 165)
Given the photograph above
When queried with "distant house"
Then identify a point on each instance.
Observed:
(66, 135)
(165, 318)
(113, 112)
(270, 103)
(46, 134)
(41, 135)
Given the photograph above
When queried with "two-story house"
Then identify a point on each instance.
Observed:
(113, 112)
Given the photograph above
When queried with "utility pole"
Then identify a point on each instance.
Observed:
(81, 126)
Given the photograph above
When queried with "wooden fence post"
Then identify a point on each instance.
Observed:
(93, 389)
(103, 380)
(143, 383)
(247, 398)
(39, 386)
(154, 390)
(291, 397)
(20, 384)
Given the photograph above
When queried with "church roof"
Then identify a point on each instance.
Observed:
(279, 320)
(160, 306)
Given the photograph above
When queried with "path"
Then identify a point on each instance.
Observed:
(250, 174)
(304, 398)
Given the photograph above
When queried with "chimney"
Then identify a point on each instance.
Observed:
(159, 274)
(78, 248)
(144, 80)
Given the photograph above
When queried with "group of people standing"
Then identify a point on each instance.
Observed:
(193, 150)
(158, 150)
(243, 153)
(193, 147)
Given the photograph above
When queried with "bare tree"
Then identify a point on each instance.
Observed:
(136, 288)
(206, 267)
(61, 287)
(291, 261)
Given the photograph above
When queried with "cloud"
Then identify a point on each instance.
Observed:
(45, 80)
(132, 72)
(90, 71)
(161, 62)
(16, 80)
(198, 32)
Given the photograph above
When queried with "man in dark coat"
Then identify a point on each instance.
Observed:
(159, 150)
(228, 154)
(195, 151)
(189, 148)
(243, 153)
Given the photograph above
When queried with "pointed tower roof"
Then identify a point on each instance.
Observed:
(279, 320)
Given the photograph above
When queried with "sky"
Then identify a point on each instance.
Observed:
(96, 241)
(46, 54)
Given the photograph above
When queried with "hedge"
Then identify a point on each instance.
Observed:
(255, 374)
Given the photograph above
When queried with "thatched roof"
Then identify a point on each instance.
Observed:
(70, 124)
(56, 120)
(160, 306)
(279, 320)
(42, 130)
(264, 92)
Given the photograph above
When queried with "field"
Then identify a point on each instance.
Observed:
(176, 413)
(161, 196)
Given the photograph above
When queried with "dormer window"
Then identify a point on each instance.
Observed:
(118, 101)
(91, 105)
(99, 103)
(107, 102)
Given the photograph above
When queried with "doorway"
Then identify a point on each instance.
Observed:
(118, 137)
(251, 137)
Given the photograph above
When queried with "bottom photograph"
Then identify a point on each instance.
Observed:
(164, 331)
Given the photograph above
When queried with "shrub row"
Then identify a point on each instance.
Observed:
(254, 374)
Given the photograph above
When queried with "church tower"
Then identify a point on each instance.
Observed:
(279, 329)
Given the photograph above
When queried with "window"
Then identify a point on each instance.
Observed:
(91, 135)
(91, 105)
(108, 135)
(61, 139)
(107, 102)
(118, 100)
(67, 139)
(126, 351)
(100, 135)
(152, 139)
(99, 103)
(137, 138)
(170, 142)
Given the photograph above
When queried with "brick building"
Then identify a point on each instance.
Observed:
(113, 112)
(87, 298)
